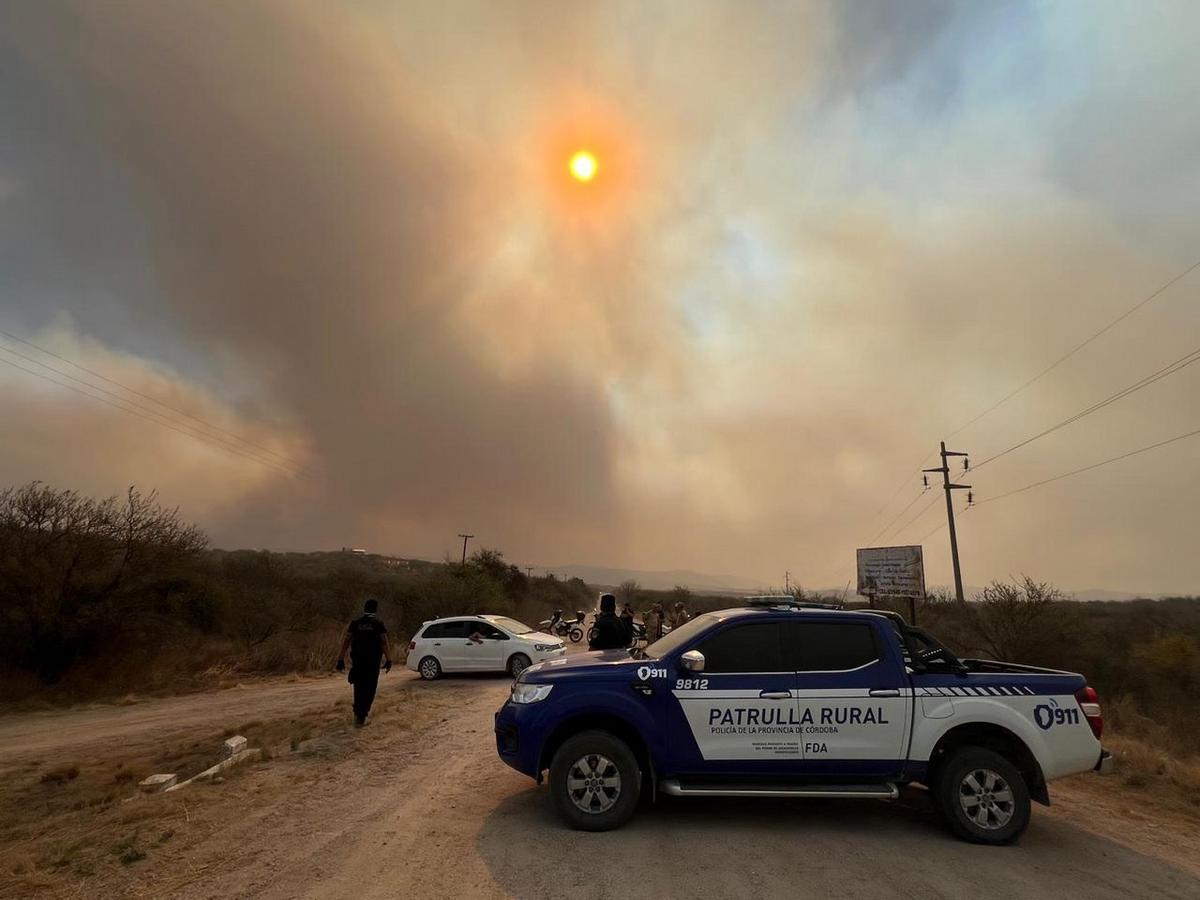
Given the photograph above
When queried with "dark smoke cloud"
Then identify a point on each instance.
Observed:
(829, 234)
(311, 217)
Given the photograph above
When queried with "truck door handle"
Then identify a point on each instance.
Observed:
(775, 695)
(884, 692)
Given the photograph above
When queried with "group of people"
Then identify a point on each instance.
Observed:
(614, 631)
(655, 618)
(367, 642)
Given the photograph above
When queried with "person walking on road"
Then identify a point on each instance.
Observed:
(367, 641)
(679, 615)
(608, 632)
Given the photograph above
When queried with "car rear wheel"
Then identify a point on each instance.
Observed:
(982, 796)
(595, 781)
(430, 668)
(517, 664)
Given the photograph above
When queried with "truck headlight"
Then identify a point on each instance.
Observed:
(530, 693)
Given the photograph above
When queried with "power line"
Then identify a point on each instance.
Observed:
(883, 530)
(900, 487)
(1054, 365)
(1044, 372)
(126, 406)
(1105, 462)
(940, 525)
(152, 415)
(920, 515)
(138, 393)
(1165, 372)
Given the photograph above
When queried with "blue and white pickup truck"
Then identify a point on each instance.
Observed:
(785, 699)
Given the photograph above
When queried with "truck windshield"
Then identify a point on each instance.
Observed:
(677, 637)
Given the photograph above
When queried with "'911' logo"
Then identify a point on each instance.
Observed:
(1050, 714)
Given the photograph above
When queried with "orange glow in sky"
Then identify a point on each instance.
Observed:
(583, 166)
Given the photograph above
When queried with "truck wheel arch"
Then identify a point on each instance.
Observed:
(997, 738)
(613, 724)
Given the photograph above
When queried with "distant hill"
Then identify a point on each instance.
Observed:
(601, 576)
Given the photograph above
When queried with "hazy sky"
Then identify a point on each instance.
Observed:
(821, 238)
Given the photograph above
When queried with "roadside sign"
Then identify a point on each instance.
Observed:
(891, 572)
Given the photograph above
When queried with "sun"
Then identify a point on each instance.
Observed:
(583, 165)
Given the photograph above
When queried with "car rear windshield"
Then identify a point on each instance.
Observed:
(511, 625)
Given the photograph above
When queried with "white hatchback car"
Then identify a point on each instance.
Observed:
(479, 644)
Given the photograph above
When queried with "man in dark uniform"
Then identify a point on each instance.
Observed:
(609, 632)
(366, 639)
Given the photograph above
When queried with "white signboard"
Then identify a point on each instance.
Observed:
(891, 572)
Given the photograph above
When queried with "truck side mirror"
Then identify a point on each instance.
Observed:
(692, 661)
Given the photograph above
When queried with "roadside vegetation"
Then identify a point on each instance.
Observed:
(103, 598)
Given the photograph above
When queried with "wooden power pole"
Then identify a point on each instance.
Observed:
(950, 486)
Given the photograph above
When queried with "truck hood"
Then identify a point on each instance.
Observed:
(600, 664)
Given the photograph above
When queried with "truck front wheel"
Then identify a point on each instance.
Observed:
(982, 796)
(595, 781)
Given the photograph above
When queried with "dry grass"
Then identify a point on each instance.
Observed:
(76, 827)
(1167, 781)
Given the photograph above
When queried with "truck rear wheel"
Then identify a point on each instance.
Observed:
(595, 781)
(982, 796)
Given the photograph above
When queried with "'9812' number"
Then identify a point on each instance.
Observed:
(691, 684)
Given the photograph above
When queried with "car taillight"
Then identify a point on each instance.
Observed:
(412, 645)
(1089, 704)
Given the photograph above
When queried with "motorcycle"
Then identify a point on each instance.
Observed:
(563, 628)
(639, 633)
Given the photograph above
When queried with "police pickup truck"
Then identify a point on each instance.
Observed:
(790, 699)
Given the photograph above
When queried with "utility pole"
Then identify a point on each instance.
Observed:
(787, 582)
(465, 537)
(950, 486)
(529, 571)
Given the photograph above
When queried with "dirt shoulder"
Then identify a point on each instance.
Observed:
(74, 821)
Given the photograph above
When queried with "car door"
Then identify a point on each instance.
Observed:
(482, 647)
(855, 704)
(739, 715)
(450, 645)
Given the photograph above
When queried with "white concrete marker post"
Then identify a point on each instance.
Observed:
(233, 746)
(156, 783)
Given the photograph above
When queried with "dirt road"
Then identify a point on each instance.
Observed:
(431, 812)
(70, 731)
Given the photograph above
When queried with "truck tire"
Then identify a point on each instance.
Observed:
(982, 796)
(595, 781)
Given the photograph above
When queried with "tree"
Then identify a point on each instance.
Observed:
(627, 591)
(681, 594)
(75, 570)
(1019, 620)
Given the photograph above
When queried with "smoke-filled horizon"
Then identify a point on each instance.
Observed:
(819, 238)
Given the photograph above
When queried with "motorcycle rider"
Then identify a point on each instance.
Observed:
(609, 633)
